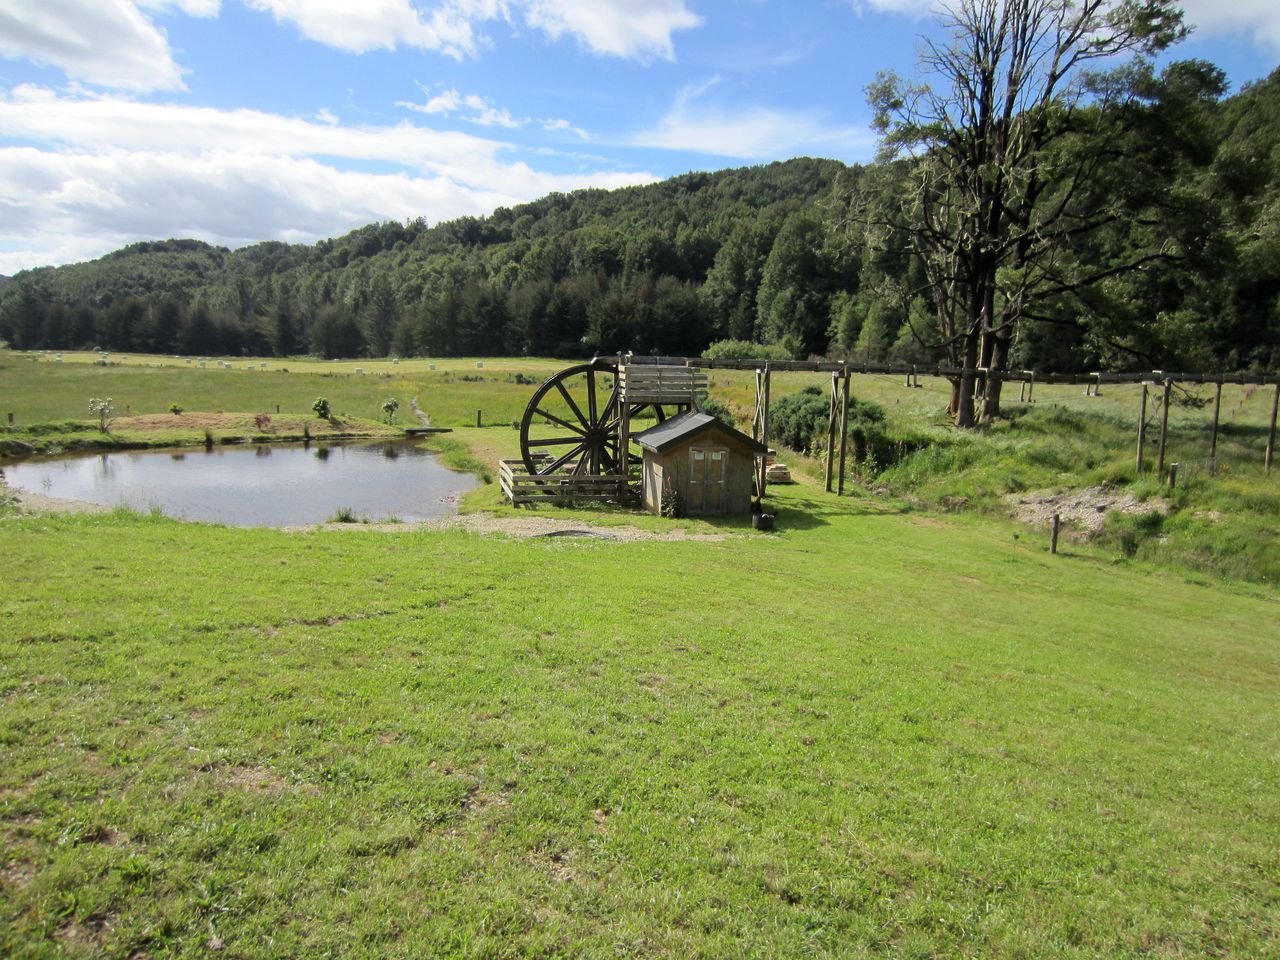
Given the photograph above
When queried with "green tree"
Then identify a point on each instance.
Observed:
(985, 210)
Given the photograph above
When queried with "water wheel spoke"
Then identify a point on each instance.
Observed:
(562, 423)
(557, 464)
(554, 441)
(591, 395)
(573, 405)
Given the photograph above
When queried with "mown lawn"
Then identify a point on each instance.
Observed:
(876, 732)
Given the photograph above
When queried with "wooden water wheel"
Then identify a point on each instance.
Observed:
(574, 423)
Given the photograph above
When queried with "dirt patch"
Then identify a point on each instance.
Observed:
(1084, 509)
(39, 503)
(254, 779)
(521, 527)
(17, 874)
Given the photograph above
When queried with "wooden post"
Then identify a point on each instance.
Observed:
(831, 429)
(844, 432)
(277, 408)
(764, 433)
(1164, 425)
(1142, 428)
(1271, 430)
(624, 431)
(1031, 385)
(1022, 391)
(11, 419)
(478, 418)
(1053, 542)
(1173, 476)
(1213, 435)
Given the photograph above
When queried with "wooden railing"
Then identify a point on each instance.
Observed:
(521, 487)
(645, 383)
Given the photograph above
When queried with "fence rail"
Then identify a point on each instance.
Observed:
(521, 487)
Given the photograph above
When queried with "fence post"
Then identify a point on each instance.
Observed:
(831, 429)
(1142, 428)
(1053, 542)
(1213, 437)
(478, 417)
(844, 432)
(1164, 424)
(1271, 430)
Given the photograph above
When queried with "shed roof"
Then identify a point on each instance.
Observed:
(685, 427)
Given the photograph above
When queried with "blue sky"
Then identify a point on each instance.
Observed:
(243, 120)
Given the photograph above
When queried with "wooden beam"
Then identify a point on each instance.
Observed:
(1142, 428)
(1164, 425)
(1213, 436)
(831, 430)
(764, 434)
(1271, 430)
(844, 432)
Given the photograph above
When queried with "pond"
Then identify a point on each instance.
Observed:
(257, 486)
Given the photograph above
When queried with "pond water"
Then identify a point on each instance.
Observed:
(257, 486)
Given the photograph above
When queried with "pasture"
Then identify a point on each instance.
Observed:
(886, 729)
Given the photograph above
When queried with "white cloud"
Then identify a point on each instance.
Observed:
(116, 170)
(479, 110)
(379, 24)
(752, 133)
(621, 28)
(1257, 19)
(192, 8)
(109, 43)
(483, 112)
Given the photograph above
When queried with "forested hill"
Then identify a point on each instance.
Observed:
(755, 253)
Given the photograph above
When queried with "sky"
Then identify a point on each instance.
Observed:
(235, 121)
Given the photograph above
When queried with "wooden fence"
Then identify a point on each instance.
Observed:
(521, 487)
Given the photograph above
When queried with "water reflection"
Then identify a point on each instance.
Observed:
(257, 486)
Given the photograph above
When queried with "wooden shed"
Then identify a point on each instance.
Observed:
(710, 466)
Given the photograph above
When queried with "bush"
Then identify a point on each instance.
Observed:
(321, 408)
(719, 410)
(746, 350)
(261, 420)
(175, 408)
(799, 419)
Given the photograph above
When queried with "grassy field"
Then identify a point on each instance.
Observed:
(876, 732)
(886, 729)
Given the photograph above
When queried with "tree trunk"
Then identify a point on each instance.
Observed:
(995, 366)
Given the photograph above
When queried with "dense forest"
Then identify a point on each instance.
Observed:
(1183, 272)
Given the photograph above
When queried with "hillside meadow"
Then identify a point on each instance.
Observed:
(890, 728)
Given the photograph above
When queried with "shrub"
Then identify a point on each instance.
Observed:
(321, 408)
(746, 350)
(389, 407)
(718, 409)
(175, 408)
(344, 515)
(101, 408)
(799, 419)
(262, 420)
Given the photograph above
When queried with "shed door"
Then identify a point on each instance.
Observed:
(708, 471)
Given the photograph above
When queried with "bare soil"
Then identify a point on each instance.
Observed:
(1084, 509)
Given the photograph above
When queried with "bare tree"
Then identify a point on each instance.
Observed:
(1004, 142)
